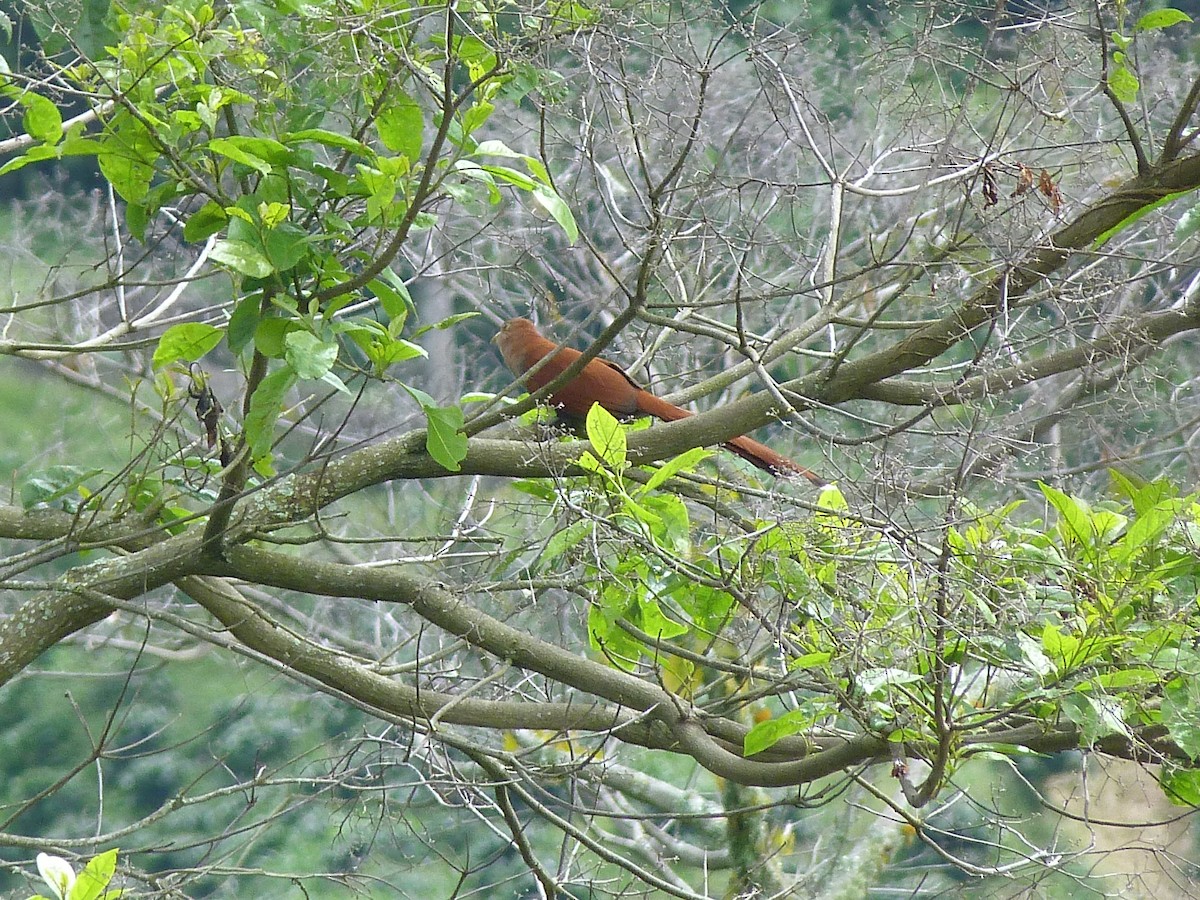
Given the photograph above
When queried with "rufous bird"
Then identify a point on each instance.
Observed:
(600, 381)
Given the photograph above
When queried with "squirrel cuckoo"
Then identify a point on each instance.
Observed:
(522, 347)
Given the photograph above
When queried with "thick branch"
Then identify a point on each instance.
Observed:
(855, 378)
(685, 726)
(1152, 330)
(48, 617)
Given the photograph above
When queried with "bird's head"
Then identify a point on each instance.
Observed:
(515, 338)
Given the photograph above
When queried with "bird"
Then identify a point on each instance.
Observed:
(603, 382)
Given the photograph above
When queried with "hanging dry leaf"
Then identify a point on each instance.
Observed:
(1050, 190)
(1024, 180)
(991, 191)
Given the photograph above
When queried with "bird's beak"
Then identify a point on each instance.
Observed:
(495, 337)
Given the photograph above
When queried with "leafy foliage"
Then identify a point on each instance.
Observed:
(180, 76)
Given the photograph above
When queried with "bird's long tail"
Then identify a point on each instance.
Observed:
(752, 451)
(765, 458)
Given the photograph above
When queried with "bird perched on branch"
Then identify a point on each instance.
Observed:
(523, 347)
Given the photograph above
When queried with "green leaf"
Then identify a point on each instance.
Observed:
(336, 383)
(765, 735)
(814, 660)
(237, 230)
(71, 29)
(676, 529)
(95, 876)
(564, 539)
(265, 148)
(684, 462)
(205, 222)
(535, 488)
(1122, 678)
(34, 154)
(1143, 496)
(607, 437)
(907, 736)
(549, 200)
(476, 115)
(1181, 786)
(1181, 713)
(127, 157)
(1146, 530)
(589, 463)
(444, 439)
(478, 55)
(242, 257)
(484, 397)
(270, 334)
(400, 126)
(538, 169)
(1074, 521)
(600, 628)
(329, 139)
(240, 156)
(1068, 652)
(274, 214)
(448, 322)
(1061, 648)
(651, 620)
(56, 483)
(243, 323)
(380, 190)
(256, 152)
(308, 355)
(642, 513)
(611, 641)
(187, 342)
(572, 13)
(1123, 83)
(1097, 717)
(538, 185)
(42, 120)
(385, 352)
(497, 148)
(831, 499)
(472, 170)
(265, 406)
(1138, 213)
(1107, 524)
(394, 297)
(285, 245)
(77, 145)
(1161, 18)
(874, 680)
(512, 176)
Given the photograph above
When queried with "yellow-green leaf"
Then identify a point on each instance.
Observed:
(606, 436)
(187, 342)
